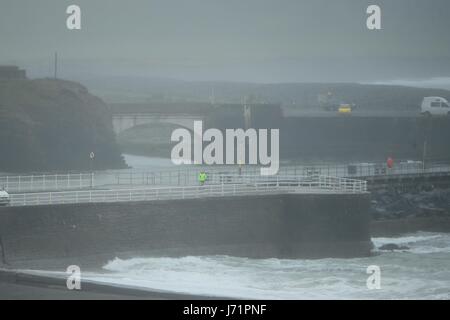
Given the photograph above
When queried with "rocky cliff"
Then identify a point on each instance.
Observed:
(50, 124)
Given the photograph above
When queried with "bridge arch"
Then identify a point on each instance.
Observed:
(122, 122)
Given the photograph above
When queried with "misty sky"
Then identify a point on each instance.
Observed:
(238, 40)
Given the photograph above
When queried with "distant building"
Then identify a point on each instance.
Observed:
(11, 72)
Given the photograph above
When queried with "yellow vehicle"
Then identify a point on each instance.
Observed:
(329, 102)
(345, 109)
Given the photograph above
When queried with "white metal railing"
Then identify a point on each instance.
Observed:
(240, 185)
(47, 182)
(189, 176)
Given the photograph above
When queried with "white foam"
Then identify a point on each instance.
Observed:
(405, 275)
(420, 243)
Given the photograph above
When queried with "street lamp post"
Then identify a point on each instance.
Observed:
(424, 155)
(91, 163)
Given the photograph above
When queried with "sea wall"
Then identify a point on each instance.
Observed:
(285, 226)
(352, 138)
(346, 138)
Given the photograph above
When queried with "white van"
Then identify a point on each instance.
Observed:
(4, 198)
(435, 106)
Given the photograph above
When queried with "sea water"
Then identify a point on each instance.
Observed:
(421, 272)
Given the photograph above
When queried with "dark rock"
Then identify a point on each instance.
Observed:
(395, 205)
(392, 247)
(50, 124)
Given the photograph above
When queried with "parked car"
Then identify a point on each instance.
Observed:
(435, 106)
(4, 198)
(345, 109)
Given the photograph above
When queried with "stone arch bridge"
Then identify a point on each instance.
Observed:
(124, 121)
(129, 115)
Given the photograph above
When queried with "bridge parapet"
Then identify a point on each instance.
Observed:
(124, 121)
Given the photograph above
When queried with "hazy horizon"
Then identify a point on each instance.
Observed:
(260, 41)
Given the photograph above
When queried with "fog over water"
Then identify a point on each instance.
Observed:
(437, 83)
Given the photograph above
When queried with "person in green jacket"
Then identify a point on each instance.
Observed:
(202, 177)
